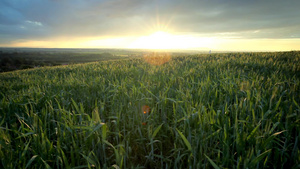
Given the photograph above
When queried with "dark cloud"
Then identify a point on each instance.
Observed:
(239, 16)
(42, 19)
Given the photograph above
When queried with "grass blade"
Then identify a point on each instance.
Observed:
(260, 157)
(31, 160)
(186, 142)
(156, 131)
(211, 162)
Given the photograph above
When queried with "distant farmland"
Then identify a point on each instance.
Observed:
(24, 58)
(231, 110)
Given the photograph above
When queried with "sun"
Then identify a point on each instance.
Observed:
(156, 40)
(165, 40)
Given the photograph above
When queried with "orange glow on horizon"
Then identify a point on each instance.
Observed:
(176, 42)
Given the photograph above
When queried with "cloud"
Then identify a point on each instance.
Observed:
(36, 19)
(34, 23)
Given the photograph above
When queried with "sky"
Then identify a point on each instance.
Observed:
(221, 25)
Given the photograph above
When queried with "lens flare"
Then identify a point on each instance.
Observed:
(146, 109)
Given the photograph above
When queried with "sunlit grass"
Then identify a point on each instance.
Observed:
(238, 110)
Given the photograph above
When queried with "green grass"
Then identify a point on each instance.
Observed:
(237, 110)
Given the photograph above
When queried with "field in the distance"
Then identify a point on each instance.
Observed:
(234, 110)
(23, 58)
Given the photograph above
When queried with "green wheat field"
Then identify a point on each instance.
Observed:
(230, 110)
